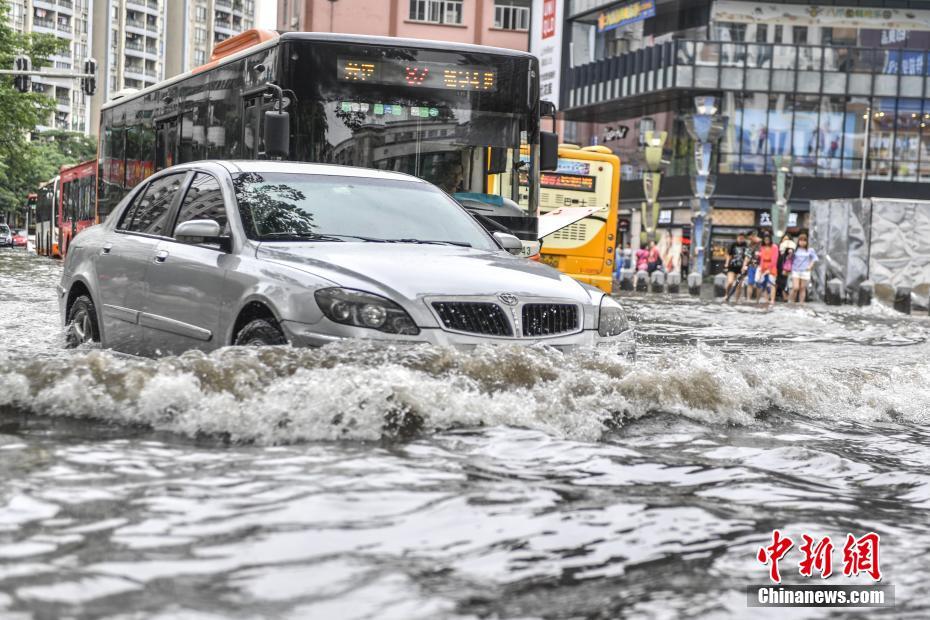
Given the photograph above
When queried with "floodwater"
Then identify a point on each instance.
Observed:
(363, 482)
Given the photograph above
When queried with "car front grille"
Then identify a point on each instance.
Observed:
(485, 318)
(549, 319)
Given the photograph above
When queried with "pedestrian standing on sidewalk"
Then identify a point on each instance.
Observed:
(767, 270)
(802, 266)
(642, 264)
(752, 265)
(736, 263)
(654, 259)
(784, 273)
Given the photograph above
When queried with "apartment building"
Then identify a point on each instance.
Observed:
(499, 23)
(69, 20)
(152, 40)
(205, 23)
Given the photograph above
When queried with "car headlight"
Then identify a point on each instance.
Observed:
(361, 309)
(612, 321)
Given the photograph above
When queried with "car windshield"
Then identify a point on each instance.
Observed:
(298, 207)
(4, 229)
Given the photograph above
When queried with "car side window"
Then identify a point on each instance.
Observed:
(204, 201)
(149, 212)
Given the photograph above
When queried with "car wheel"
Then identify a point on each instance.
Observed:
(260, 333)
(82, 323)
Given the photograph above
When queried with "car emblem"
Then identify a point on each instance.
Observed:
(508, 298)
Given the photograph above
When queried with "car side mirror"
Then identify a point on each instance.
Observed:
(548, 150)
(203, 231)
(510, 243)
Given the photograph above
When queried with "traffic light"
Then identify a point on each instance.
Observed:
(89, 84)
(22, 83)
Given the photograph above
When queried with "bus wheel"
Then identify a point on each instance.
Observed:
(260, 333)
(82, 323)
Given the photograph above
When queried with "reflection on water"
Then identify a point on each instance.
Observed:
(362, 482)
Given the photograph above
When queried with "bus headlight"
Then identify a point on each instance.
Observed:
(612, 320)
(361, 309)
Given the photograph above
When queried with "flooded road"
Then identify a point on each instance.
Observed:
(364, 482)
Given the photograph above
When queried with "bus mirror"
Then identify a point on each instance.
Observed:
(497, 160)
(548, 150)
(547, 108)
(277, 134)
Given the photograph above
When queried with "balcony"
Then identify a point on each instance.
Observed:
(45, 24)
(700, 66)
(138, 49)
(143, 25)
(225, 28)
(149, 7)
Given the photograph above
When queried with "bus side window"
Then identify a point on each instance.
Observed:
(166, 142)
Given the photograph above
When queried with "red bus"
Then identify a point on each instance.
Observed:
(78, 189)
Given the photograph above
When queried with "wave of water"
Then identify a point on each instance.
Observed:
(364, 391)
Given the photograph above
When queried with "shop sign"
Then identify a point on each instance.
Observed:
(765, 219)
(626, 14)
(546, 29)
(616, 133)
(837, 17)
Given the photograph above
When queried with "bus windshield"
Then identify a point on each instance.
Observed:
(455, 119)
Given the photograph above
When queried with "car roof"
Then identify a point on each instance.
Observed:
(293, 167)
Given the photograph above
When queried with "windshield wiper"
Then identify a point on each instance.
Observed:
(462, 244)
(292, 236)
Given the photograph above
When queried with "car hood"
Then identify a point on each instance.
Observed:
(414, 271)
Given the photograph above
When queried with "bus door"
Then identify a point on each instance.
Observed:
(585, 179)
(166, 141)
(255, 104)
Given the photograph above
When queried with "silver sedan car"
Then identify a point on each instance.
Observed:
(209, 254)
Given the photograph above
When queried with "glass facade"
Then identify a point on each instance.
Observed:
(823, 105)
(826, 135)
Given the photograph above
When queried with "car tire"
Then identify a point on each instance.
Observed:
(82, 324)
(260, 333)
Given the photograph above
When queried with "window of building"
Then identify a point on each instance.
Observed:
(436, 11)
(200, 13)
(200, 57)
(511, 14)
(730, 31)
(200, 35)
(800, 35)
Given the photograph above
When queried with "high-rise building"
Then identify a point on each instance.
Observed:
(128, 44)
(69, 20)
(500, 23)
(146, 41)
(205, 23)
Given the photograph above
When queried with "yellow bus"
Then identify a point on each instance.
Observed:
(587, 178)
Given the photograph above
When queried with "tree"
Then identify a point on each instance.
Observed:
(20, 113)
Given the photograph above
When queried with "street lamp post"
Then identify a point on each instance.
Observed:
(653, 144)
(781, 186)
(706, 128)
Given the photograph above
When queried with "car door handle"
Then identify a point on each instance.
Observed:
(106, 249)
(161, 256)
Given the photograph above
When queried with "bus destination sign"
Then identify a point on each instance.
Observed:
(558, 180)
(443, 75)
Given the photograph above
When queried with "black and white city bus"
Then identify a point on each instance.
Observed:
(453, 114)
